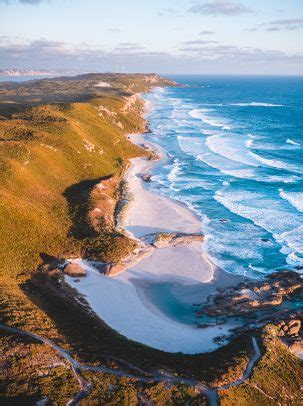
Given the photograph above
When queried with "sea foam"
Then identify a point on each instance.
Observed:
(233, 148)
(233, 174)
(274, 163)
(294, 198)
(269, 214)
(256, 104)
(291, 142)
(203, 114)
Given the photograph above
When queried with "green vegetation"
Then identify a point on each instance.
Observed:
(35, 371)
(35, 212)
(58, 139)
(111, 390)
(15, 96)
(277, 379)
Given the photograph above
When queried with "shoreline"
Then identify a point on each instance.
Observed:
(123, 300)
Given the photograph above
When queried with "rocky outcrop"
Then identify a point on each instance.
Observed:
(153, 156)
(74, 270)
(145, 248)
(146, 178)
(116, 268)
(252, 297)
(103, 198)
(289, 327)
(164, 240)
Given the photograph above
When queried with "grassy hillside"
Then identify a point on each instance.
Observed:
(277, 379)
(46, 149)
(62, 146)
(58, 139)
(51, 157)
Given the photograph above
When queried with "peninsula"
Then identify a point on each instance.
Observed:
(94, 263)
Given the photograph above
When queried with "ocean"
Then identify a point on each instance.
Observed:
(235, 156)
(22, 78)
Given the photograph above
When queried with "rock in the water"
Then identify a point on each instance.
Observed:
(294, 327)
(223, 220)
(289, 328)
(254, 296)
(273, 300)
(146, 178)
(153, 156)
(204, 325)
(264, 287)
(75, 270)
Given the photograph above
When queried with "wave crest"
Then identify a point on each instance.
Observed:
(256, 104)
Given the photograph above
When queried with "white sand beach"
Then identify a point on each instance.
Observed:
(122, 300)
(149, 212)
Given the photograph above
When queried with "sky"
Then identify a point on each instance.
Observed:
(163, 36)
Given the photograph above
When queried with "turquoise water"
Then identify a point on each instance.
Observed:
(235, 148)
(180, 302)
(169, 302)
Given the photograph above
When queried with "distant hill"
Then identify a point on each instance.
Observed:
(34, 72)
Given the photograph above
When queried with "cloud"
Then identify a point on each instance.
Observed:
(32, 2)
(219, 7)
(205, 58)
(272, 29)
(242, 55)
(130, 45)
(168, 11)
(205, 32)
(289, 24)
(43, 43)
(124, 47)
(199, 42)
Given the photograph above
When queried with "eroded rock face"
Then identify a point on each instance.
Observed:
(74, 270)
(104, 201)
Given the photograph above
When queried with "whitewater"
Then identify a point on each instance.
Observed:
(235, 156)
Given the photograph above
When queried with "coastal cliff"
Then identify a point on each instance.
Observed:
(64, 153)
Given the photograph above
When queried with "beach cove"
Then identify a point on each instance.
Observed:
(153, 302)
(158, 297)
